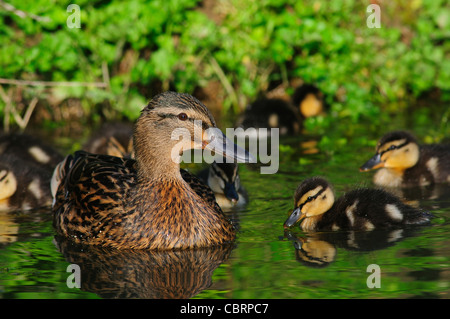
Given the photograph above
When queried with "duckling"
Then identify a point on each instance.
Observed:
(30, 149)
(224, 181)
(26, 167)
(288, 116)
(312, 251)
(359, 209)
(271, 113)
(403, 162)
(23, 185)
(309, 100)
(146, 203)
(113, 139)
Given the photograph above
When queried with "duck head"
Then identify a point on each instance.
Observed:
(313, 197)
(396, 150)
(171, 124)
(224, 179)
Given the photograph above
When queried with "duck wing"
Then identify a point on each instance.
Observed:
(91, 193)
(201, 189)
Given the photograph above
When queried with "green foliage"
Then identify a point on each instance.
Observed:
(146, 47)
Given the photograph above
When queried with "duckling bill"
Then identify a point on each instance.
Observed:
(361, 209)
(402, 162)
(146, 202)
(224, 180)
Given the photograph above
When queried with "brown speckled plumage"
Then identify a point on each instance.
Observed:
(144, 203)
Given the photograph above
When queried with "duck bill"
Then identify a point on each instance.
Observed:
(215, 141)
(231, 193)
(294, 218)
(373, 163)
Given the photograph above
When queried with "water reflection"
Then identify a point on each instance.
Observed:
(9, 229)
(18, 225)
(320, 249)
(114, 273)
(438, 194)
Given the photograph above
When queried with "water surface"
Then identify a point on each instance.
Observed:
(266, 261)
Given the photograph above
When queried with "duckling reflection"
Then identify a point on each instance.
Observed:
(320, 249)
(430, 197)
(9, 229)
(311, 251)
(174, 274)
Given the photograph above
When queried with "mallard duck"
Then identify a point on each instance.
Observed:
(286, 115)
(224, 181)
(26, 167)
(113, 139)
(403, 162)
(359, 209)
(146, 203)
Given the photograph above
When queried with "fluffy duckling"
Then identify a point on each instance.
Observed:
(224, 181)
(403, 162)
(271, 113)
(359, 209)
(146, 202)
(309, 100)
(113, 139)
(288, 116)
(26, 167)
(23, 185)
(30, 149)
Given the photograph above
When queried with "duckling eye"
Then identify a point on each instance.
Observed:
(183, 116)
(392, 147)
(310, 198)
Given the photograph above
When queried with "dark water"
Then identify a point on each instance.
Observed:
(265, 262)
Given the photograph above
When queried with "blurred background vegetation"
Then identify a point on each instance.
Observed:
(225, 52)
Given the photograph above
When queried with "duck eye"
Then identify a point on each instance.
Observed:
(183, 116)
(392, 147)
(310, 198)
